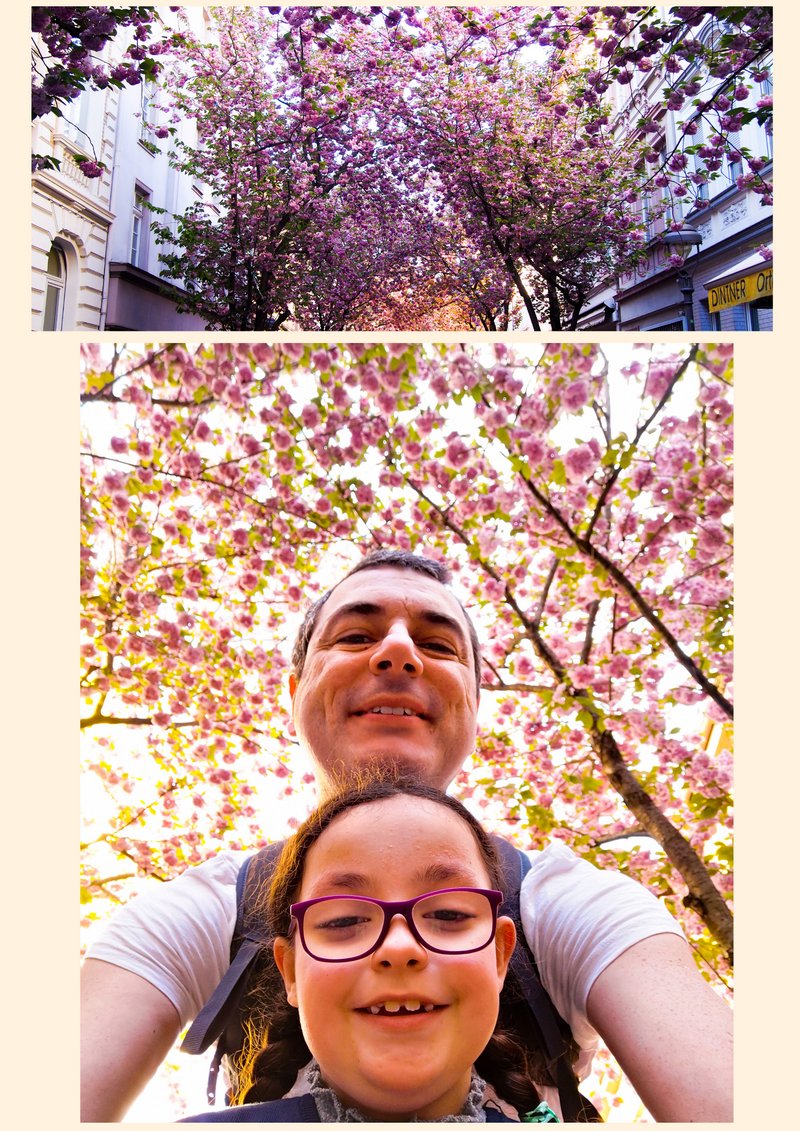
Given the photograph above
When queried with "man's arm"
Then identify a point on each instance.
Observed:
(672, 1035)
(127, 1028)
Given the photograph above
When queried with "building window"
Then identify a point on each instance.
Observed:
(699, 164)
(765, 91)
(147, 121)
(712, 34)
(75, 119)
(140, 228)
(651, 201)
(55, 282)
(759, 314)
(734, 163)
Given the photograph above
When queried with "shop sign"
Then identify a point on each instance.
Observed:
(747, 289)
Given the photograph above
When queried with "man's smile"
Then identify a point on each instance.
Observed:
(392, 707)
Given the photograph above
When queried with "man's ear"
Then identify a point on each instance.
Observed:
(292, 685)
(283, 951)
(504, 942)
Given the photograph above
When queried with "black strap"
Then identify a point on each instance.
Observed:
(575, 1108)
(221, 1011)
(494, 1115)
(215, 1014)
(523, 962)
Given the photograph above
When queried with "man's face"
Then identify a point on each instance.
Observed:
(388, 678)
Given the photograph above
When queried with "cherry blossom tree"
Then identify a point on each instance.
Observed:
(583, 498)
(506, 142)
(290, 156)
(490, 138)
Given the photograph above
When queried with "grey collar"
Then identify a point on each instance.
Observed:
(332, 1110)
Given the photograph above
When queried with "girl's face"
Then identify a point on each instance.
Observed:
(392, 1065)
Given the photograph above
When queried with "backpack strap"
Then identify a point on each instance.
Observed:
(219, 1019)
(574, 1106)
(495, 1115)
(295, 1109)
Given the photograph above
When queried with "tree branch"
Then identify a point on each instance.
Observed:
(112, 720)
(587, 643)
(537, 618)
(612, 837)
(640, 431)
(627, 586)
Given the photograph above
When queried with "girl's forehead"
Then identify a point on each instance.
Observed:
(414, 832)
(403, 810)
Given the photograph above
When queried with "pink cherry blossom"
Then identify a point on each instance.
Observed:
(580, 463)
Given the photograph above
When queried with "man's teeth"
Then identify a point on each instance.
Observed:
(392, 711)
(396, 1006)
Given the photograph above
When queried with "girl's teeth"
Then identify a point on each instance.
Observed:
(395, 1006)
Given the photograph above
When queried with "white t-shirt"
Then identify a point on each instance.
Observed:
(577, 920)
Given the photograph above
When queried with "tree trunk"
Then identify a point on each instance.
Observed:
(553, 305)
(702, 897)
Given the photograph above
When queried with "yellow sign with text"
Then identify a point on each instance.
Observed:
(747, 289)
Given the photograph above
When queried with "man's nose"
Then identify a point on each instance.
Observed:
(396, 652)
(400, 948)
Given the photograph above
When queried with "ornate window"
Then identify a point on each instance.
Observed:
(55, 284)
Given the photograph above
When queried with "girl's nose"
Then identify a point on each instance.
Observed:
(400, 948)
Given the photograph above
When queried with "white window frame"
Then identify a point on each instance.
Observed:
(765, 90)
(148, 112)
(699, 163)
(55, 290)
(139, 228)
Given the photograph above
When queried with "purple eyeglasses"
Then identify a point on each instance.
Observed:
(342, 928)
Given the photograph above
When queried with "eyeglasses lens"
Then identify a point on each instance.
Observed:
(347, 928)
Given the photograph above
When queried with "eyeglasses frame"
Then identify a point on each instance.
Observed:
(390, 909)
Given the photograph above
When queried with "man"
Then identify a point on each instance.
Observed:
(387, 669)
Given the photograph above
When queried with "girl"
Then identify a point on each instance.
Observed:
(384, 908)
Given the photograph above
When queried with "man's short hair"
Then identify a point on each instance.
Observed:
(394, 559)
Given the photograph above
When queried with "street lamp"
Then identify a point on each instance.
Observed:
(684, 239)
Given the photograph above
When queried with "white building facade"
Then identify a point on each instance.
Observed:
(94, 259)
(727, 281)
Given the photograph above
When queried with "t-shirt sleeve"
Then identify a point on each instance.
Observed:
(178, 935)
(577, 919)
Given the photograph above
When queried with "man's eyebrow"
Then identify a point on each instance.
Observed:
(368, 609)
(355, 608)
